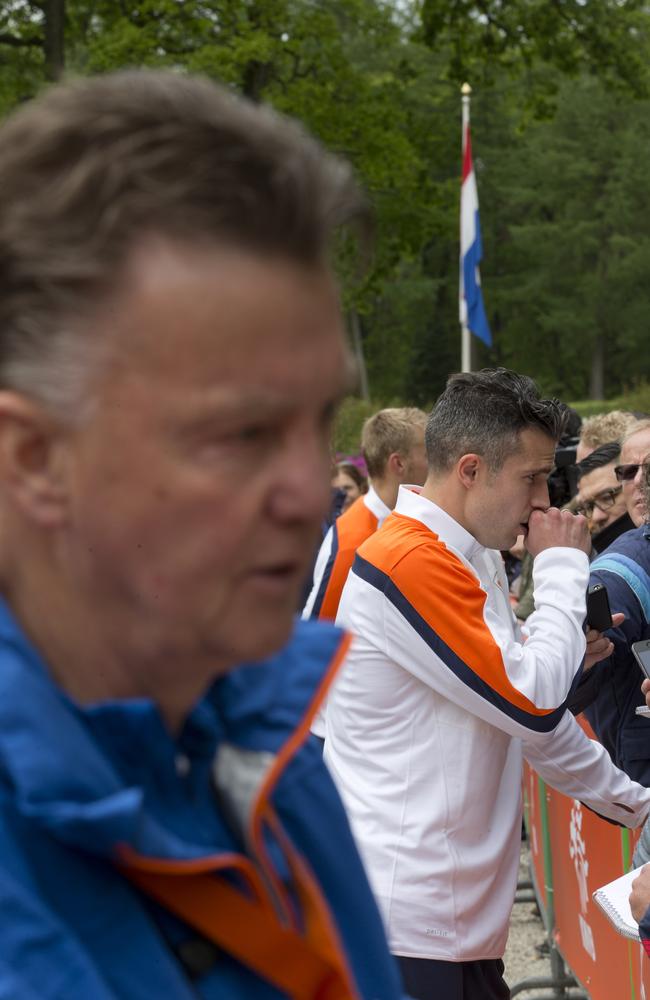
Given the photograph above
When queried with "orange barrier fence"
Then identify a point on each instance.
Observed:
(573, 852)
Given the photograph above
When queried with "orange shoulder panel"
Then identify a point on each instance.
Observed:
(446, 595)
(352, 529)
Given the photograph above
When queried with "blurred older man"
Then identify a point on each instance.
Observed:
(172, 354)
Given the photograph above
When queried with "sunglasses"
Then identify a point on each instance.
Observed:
(604, 502)
(625, 473)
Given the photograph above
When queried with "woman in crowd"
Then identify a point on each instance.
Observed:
(350, 479)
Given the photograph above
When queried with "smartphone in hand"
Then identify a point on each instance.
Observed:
(599, 615)
(641, 651)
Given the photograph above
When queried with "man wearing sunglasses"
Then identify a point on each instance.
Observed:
(611, 691)
(635, 453)
(600, 496)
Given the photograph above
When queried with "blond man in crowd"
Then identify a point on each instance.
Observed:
(601, 429)
(392, 445)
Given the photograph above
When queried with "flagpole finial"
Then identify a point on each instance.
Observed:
(466, 90)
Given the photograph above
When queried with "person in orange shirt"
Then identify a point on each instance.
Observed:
(392, 444)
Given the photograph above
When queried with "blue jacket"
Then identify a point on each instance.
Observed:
(612, 688)
(75, 783)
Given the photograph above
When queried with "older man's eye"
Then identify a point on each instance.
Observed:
(253, 433)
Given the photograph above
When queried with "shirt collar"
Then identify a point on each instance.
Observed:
(411, 503)
(376, 505)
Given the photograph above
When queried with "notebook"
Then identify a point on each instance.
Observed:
(613, 899)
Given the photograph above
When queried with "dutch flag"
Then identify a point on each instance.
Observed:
(472, 311)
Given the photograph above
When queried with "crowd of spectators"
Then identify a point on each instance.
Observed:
(416, 654)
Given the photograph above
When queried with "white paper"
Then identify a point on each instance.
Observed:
(614, 901)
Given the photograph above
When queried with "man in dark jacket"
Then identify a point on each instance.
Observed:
(610, 693)
(600, 496)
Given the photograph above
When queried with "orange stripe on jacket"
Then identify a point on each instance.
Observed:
(352, 528)
(447, 595)
(308, 963)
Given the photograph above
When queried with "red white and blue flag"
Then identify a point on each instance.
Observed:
(472, 310)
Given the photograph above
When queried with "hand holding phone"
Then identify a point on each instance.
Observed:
(641, 651)
(599, 615)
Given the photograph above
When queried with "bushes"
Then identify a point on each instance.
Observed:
(637, 399)
(346, 437)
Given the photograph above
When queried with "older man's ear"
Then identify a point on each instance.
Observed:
(34, 460)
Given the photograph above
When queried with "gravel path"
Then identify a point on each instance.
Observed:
(522, 959)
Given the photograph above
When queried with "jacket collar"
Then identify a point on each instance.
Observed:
(411, 503)
(376, 505)
(100, 775)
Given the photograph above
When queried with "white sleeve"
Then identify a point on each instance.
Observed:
(322, 560)
(560, 580)
(544, 666)
(441, 629)
(582, 769)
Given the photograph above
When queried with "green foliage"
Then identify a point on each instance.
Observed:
(637, 400)
(23, 63)
(344, 67)
(560, 158)
(346, 436)
(484, 38)
(565, 210)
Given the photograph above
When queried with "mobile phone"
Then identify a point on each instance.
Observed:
(641, 652)
(599, 615)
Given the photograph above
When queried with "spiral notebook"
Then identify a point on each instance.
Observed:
(614, 901)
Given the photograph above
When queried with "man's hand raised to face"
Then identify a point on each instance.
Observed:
(550, 528)
(553, 527)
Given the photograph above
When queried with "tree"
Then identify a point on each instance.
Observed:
(565, 210)
(563, 198)
(484, 37)
(349, 69)
(31, 45)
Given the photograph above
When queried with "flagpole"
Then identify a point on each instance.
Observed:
(465, 336)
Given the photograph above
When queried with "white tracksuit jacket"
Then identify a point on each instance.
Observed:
(431, 715)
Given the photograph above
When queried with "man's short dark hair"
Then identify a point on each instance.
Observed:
(92, 167)
(605, 455)
(484, 413)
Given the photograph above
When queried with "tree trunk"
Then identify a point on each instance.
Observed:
(597, 373)
(54, 40)
(357, 347)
